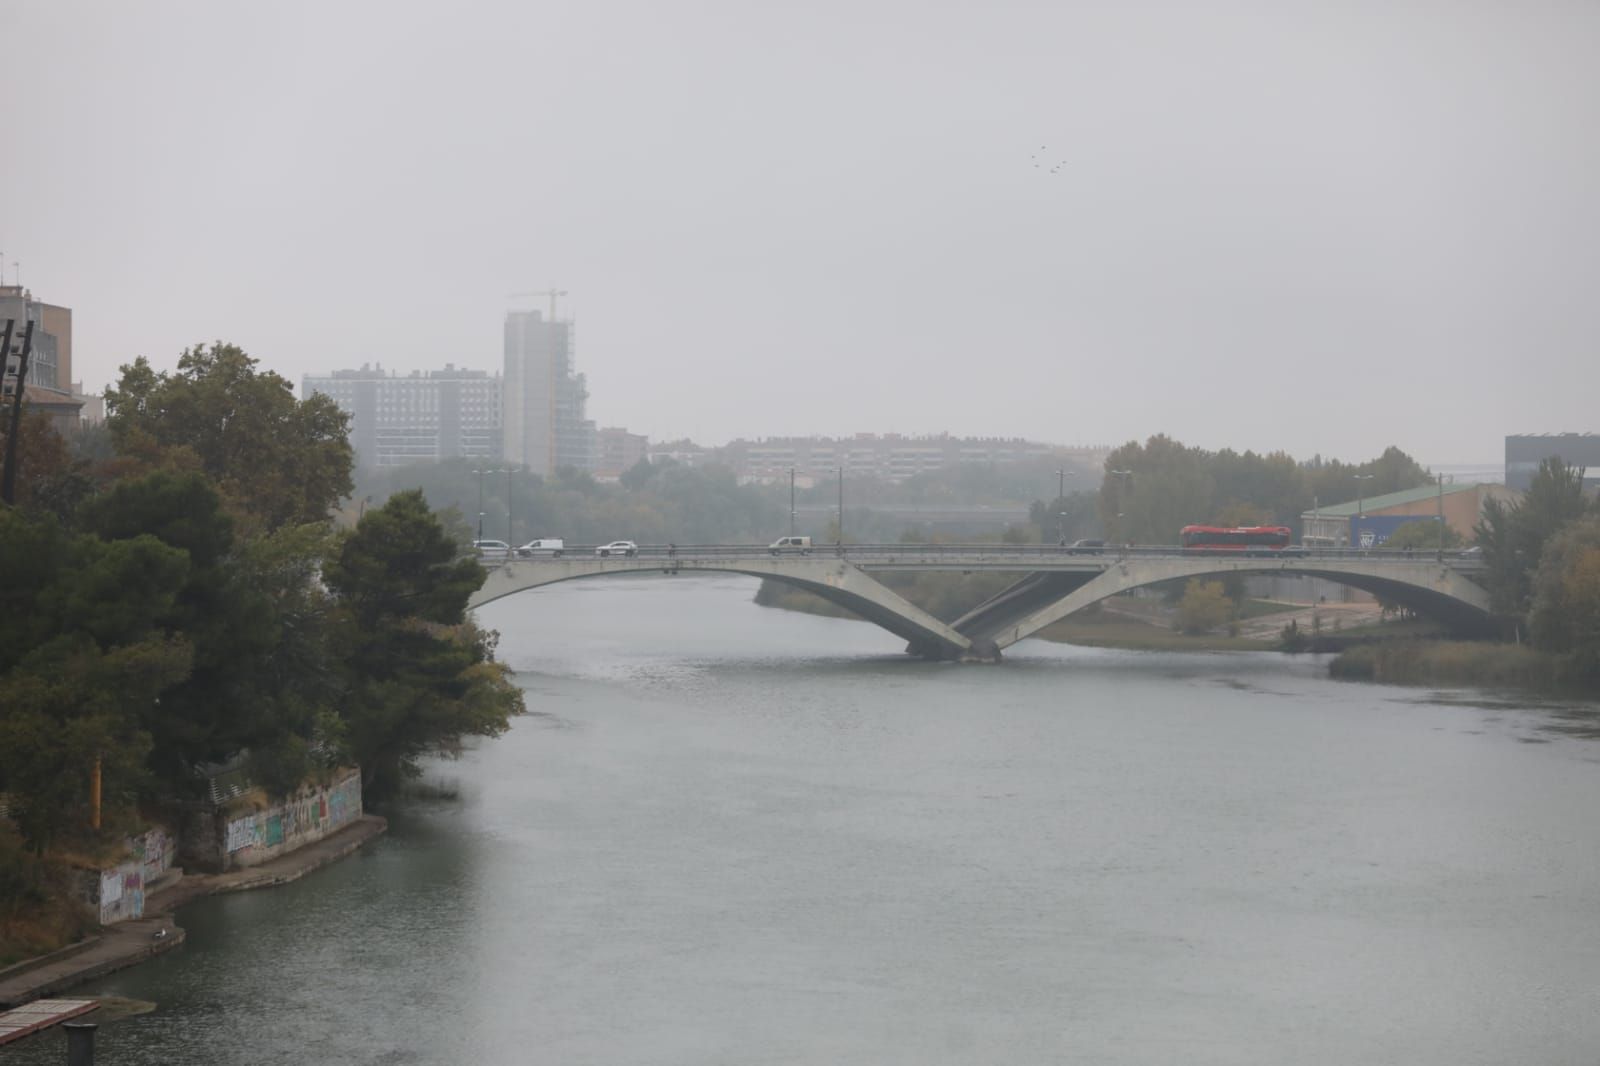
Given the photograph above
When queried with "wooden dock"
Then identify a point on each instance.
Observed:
(19, 1022)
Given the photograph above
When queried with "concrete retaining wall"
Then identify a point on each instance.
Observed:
(251, 829)
(117, 892)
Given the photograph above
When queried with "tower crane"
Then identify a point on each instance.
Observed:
(551, 292)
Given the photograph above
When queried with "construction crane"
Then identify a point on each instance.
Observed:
(550, 292)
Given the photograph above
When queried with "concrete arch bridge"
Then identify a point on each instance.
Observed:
(1052, 582)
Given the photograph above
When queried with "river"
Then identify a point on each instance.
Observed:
(736, 835)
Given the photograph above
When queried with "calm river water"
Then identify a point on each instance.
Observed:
(742, 836)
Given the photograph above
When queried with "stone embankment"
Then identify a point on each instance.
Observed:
(128, 943)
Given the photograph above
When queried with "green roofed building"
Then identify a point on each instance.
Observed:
(1337, 525)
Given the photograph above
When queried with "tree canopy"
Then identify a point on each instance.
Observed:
(1152, 490)
(280, 460)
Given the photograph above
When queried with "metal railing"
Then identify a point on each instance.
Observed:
(1469, 558)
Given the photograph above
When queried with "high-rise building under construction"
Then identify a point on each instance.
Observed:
(545, 398)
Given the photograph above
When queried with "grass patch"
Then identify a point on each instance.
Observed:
(1458, 663)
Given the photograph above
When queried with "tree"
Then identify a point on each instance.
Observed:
(86, 649)
(281, 461)
(49, 477)
(419, 676)
(1565, 616)
(1204, 607)
(1513, 536)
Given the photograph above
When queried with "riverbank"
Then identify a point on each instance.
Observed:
(126, 944)
(1463, 663)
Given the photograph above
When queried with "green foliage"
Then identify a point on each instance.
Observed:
(1168, 486)
(1443, 662)
(1205, 606)
(281, 461)
(1513, 536)
(419, 678)
(1565, 617)
(1422, 535)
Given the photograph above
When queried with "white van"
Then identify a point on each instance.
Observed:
(553, 546)
(790, 544)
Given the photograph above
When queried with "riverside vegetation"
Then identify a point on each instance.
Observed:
(174, 596)
(1542, 556)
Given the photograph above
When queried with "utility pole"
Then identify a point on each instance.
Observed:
(8, 484)
(94, 795)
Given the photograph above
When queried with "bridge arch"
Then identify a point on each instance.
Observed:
(1426, 586)
(835, 580)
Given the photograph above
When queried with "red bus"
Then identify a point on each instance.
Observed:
(1251, 539)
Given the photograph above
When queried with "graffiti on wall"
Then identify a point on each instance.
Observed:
(300, 820)
(242, 833)
(122, 893)
(155, 851)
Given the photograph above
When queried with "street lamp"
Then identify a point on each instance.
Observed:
(1121, 495)
(791, 501)
(511, 542)
(839, 530)
(1355, 528)
(480, 474)
(1440, 478)
(1061, 495)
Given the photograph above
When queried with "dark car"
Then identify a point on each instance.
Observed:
(1087, 547)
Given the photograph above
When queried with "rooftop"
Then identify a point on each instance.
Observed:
(1390, 499)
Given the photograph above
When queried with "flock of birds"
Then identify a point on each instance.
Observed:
(1040, 161)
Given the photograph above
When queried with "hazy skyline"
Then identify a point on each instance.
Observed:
(1322, 228)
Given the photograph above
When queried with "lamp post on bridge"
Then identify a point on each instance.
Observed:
(839, 529)
(1440, 478)
(1360, 507)
(791, 501)
(481, 474)
(1061, 498)
(1122, 493)
(511, 542)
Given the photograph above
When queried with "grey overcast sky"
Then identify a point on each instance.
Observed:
(1320, 227)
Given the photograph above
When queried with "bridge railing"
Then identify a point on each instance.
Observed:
(991, 551)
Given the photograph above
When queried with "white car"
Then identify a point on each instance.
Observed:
(790, 544)
(492, 549)
(552, 546)
(617, 547)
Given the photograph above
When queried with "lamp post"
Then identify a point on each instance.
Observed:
(480, 474)
(1360, 508)
(1121, 495)
(1061, 514)
(791, 501)
(1440, 516)
(839, 539)
(511, 542)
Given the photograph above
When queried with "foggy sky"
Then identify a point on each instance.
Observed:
(1318, 227)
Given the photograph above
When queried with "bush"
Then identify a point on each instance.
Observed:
(1204, 607)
